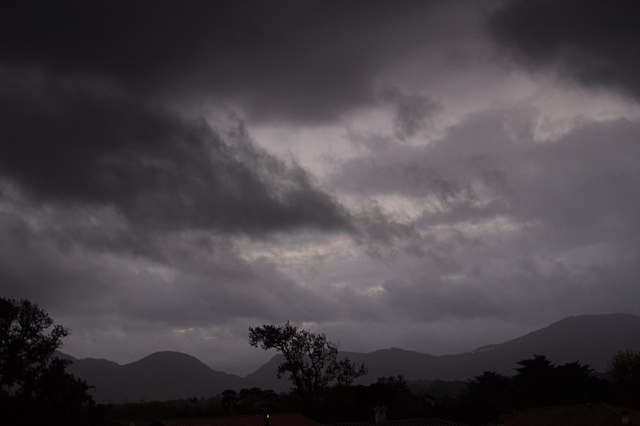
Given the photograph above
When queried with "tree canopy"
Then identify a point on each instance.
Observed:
(310, 359)
(34, 385)
(624, 368)
(537, 383)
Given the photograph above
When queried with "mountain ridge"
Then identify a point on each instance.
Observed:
(159, 376)
(589, 339)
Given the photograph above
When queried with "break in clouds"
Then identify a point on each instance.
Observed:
(430, 175)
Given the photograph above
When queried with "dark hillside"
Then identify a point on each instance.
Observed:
(590, 339)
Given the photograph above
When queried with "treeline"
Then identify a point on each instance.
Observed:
(339, 404)
(537, 383)
(36, 389)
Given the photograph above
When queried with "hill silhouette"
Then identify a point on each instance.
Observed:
(590, 339)
(159, 376)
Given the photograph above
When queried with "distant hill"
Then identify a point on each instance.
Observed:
(590, 339)
(159, 376)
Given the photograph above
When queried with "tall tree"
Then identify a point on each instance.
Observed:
(487, 396)
(534, 383)
(310, 359)
(624, 368)
(34, 386)
(539, 382)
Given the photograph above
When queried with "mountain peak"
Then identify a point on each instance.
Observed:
(170, 356)
(589, 339)
(158, 376)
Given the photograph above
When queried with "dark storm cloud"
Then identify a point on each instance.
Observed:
(193, 299)
(35, 266)
(491, 165)
(90, 92)
(157, 169)
(428, 299)
(502, 279)
(384, 238)
(308, 61)
(413, 112)
(118, 209)
(196, 286)
(145, 227)
(593, 42)
(520, 228)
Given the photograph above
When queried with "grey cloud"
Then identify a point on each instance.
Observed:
(143, 229)
(501, 280)
(593, 42)
(125, 213)
(398, 172)
(585, 184)
(307, 61)
(584, 180)
(195, 286)
(430, 299)
(191, 299)
(470, 157)
(384, 238)
(524, 274)
(524, 229)
(34, 266)
(116, 175)
(413, 112)
(157, 169)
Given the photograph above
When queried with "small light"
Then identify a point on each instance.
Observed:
(267, 416)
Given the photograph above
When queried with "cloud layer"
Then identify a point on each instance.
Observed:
(591, 42)
(277, 60)
(475, 170)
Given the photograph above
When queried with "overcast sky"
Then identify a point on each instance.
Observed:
(430, 175)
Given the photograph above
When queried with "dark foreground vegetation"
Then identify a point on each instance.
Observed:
(537, 383)
(34, 385)
(36, 389)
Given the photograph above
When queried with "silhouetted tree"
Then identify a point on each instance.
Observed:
(256, 398)
(229, 401)
(310, 359)
(392, 392)
(34, 386)
(624, 369)
(356, 403)
(539, 382)
(534, 383)
(574, 384)
(487, 397)
(248, 400)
